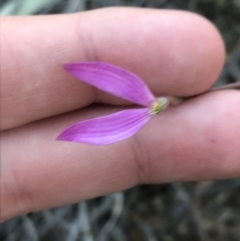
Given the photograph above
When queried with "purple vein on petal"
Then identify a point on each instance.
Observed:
(107, 129)
(114, 80)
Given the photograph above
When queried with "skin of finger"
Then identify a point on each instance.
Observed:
(197, 140)
(176, 52)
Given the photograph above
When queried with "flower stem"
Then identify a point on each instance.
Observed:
(177, 100)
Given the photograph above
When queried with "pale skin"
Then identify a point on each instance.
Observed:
(176, 53)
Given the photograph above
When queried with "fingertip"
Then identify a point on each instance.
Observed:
(213, 53)
(199, 55)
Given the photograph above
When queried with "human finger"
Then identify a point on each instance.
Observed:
(197, 140)
(175, 52)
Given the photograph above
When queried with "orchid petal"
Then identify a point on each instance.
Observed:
(107, 129)
(114, 80)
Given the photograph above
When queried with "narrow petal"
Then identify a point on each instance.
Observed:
(107, 129)
(114, 80)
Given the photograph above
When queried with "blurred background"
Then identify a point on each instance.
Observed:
(193, 211)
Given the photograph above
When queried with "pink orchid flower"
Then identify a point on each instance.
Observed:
(121, 125)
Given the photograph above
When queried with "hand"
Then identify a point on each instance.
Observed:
(176, 53)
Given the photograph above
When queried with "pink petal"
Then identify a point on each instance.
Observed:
(114, 80)
(107, 129)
